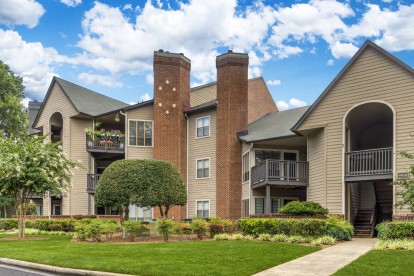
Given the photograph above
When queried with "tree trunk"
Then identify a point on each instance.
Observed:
(167, 208)
(161, 211)
(5, 212)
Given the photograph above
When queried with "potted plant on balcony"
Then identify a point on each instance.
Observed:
(90, 133)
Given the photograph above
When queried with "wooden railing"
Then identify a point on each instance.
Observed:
(91, 182)
(286, 172)
(105, 142)
(368, 162)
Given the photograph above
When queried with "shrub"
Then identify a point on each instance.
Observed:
(248, 237)
(135, 229)
(264, 237)
(199, 227)
(326, 240)
(237, 237)
(279, 238)
(303, 208)
(333, 226)
(296, 239)
(390, 230)
(215, 228)
(339, 229)
(404, 244)
(181, 228)
(8, 224)
(109, 228)
(165, 227)
(228, 226)
(29, 224)
(94, 230)
(222, 237)
(54, 225)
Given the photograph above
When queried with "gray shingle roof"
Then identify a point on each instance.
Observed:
(274, 125)
(87, 101)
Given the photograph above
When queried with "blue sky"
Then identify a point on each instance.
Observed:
(107, 46)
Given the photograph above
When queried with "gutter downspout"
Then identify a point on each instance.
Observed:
(250, 179)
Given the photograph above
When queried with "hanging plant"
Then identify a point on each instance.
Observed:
(98, 123)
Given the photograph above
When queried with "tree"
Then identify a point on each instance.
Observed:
(407, 194)
(5, 201)
(161, 186)
(13, 117)
(29, 166)
(116, 183)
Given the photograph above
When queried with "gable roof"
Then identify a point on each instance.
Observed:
(85, 101)
(274, 125)
(367, 44)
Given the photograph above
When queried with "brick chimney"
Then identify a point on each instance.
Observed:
(171, 99)
(232, 116)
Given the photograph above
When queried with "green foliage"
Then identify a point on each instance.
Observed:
(161, 186)
(199, 227)
(391, 230)
(339, 229)
(5, 201)
(333, 227)
(181, 228)
(94, 228)
(303, 208)
(296, 239)
(65, 225)
(325, 240)
(264, 237)
(165, 227)
(222, 237)
(8, 224)
(279, 238)
(215, 228)
(404, 244)
(30, 209)
(108, 228)
(13, 117)
(407, 193)
(135, 229)
(29, 166)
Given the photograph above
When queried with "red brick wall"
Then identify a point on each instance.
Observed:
(260, 100)
(232, 116)
(170, 127)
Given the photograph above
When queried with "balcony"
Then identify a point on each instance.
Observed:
(109, 143)
(281, 173)
(91, 182)
(373, 164)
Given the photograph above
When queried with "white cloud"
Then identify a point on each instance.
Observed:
(149, 79)
(254, 72)
(330, 62)
(285, 51)
(132, 103)
(25, 102)
(145, 98)
(71, 3)
(274, 82)
(20, 12)
(340, 50)
(127, 7)
(108, 81)
(32, 61)
(293, 103)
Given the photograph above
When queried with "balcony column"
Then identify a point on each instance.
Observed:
(268, 202)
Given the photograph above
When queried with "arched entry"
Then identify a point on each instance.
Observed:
(368, 143)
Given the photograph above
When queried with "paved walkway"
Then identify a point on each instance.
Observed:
(324, 262)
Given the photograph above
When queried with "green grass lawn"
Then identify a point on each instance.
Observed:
(381, 263)
(183, 258)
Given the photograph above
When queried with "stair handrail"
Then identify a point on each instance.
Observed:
(373, 219)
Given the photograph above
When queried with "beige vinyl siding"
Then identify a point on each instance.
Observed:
(371, 77)
(317, 160)
(203, 95)
(58, 102)
(140, 113)
(201, 189)
(78, 194)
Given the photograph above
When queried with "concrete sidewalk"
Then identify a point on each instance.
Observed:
(324, 262)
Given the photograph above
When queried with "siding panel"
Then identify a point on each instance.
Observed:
(141, 113)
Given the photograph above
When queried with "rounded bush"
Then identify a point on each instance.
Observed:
(303, 208)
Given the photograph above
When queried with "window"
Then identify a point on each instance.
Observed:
(260, 204)
(203, 168)
(203, 209)
(245, 208)
(261, 155)
(246, 167)
(140, 133)
(203, 127)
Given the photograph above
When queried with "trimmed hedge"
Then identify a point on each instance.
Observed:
(303, 208)
(65, 225)
(333, 227)
(392, 230)
(11, 223)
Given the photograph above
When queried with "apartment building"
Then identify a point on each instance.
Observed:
(237, 154)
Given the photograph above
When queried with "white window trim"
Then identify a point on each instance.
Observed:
(209, 207)
(209, 127)
(249, 166)
(209, 168)
(137, 146)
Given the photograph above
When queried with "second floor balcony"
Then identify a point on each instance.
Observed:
(372, 164)
(112, 143)
(280, 172)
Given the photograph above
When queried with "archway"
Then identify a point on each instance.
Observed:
(56, 127)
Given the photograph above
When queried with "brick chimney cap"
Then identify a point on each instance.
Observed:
(162, 53)
(231, 54)
(160, 50)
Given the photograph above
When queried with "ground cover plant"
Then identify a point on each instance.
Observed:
(381, 262)
(237, 257)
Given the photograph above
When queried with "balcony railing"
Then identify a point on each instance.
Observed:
(280, 172)
(368, 162)
(92, 181)
(105, 142)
